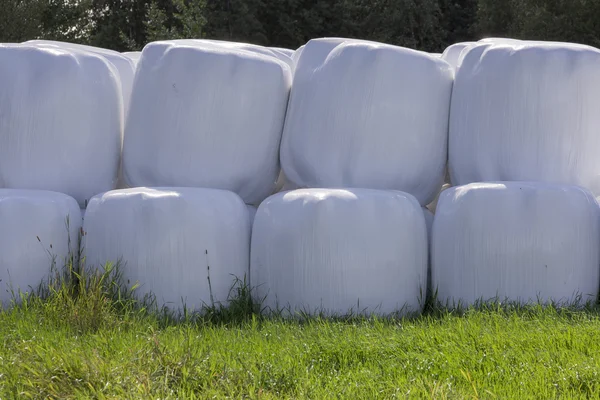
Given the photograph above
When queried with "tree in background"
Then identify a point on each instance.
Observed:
(186, 20)
(429, 25)
(560, 20)
(459, 19)
(22, 20)
(236, 20)
(496, 18)
(409, 23)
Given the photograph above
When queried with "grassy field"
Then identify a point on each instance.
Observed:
(88, 340)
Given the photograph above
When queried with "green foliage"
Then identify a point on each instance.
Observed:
(236, 20)
(66, 20)
(21, 20)
(429, 25)
(187, 21)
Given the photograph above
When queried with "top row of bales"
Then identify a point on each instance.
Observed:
(334, 113)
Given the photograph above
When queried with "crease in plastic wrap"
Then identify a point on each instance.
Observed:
(452, 53)
(516, 241)
(527, 111)
(251, 214)
(267, 51)
(297, 54)
(339, 251)
(133, 55)
(62, 121)
(25, 216)
(370, 115)
(171, 241)
(207, 115)
(287, 52)
(125, 65)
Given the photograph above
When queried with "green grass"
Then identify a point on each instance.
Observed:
(81, 334)
(536, 353)
(85, 337)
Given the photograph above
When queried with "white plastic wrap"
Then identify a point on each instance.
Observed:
(313, 54)
(181, 244)
(452, 53)
(517, 241)
(124, 65)
(61, 121)
(527, 112)
(205, 115)
(466, 50)
(134, 55)
(368, 115)
(287, 52)
(339, 251)
(297, 54)
(33, 234)
(267, 51)
(500, 41)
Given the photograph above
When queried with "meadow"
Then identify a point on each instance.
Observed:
(82, 335)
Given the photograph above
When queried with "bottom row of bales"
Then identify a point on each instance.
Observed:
(331, 251)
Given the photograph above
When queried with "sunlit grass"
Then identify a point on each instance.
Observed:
(83, 335)
(110, 348)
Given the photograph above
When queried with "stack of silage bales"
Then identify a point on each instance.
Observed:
(365, 140)
(61, 129)
(204, 131)
(364, 132)
(525, 120)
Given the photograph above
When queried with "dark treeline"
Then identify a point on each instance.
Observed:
(429, 25)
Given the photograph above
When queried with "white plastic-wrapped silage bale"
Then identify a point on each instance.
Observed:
(338, 251)
(516, 240)
(61, 121)
(124, 65)
(180, 244)
(37, 229)
(368, 115)
(452, 53)
(205, 115)
(527, 112)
